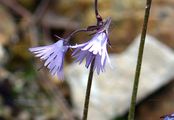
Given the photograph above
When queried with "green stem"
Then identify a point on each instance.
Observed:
(139, 61)
(88, 91)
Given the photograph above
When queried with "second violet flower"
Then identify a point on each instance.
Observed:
(95, 49)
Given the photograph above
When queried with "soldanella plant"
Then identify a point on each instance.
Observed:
(94, 51)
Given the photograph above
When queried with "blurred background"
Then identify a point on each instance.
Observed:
(30, 93)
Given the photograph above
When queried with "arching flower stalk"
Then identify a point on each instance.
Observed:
(94, 51)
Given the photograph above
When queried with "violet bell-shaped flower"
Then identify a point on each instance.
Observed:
(53, 55)
(95, 49)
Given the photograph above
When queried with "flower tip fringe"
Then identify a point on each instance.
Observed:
(53, 55)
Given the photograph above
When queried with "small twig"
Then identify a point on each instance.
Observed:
(88, 91)
(139, 61)
(61, 102)
(40, 11)
(17, 8)
(52, 20)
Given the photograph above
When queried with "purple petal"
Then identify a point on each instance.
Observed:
(81, 57)
(53, 56)
(75, 51)
(98, 63)
(89, 59)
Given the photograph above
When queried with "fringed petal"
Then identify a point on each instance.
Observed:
(53, 56)
(94, 49)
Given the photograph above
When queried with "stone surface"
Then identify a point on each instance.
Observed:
(111, 91)
(3, 57)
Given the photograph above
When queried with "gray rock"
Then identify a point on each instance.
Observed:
(3, 57)
(111, 91)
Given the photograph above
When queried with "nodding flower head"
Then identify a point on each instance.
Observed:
(95, 49)
(53, 55)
